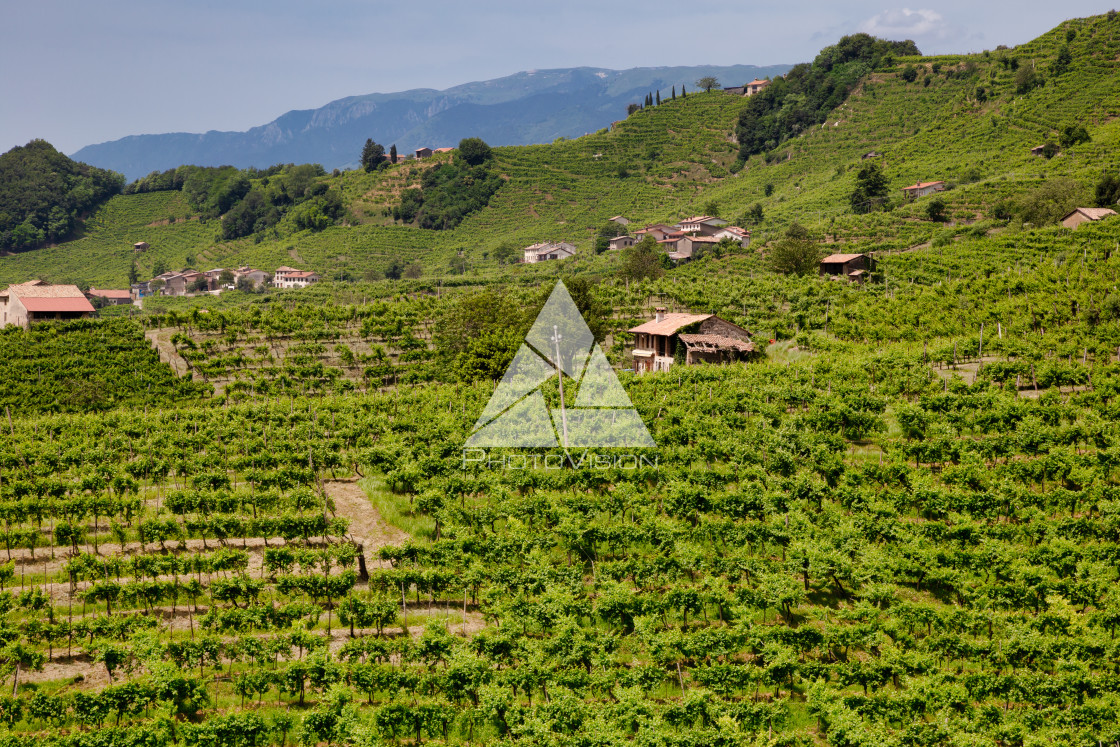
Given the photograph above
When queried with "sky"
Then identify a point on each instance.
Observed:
(76, 72)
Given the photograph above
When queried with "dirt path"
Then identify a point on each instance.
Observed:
(161, 341)
(366, 525)
(294, 254)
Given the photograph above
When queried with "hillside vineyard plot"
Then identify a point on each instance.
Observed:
(185, 577)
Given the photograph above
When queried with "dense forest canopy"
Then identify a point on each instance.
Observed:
(44, 195)
(808, 92)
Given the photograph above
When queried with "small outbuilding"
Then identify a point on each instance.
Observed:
(854, 267)
(1085, 215)
(690, 338)
(921, 189)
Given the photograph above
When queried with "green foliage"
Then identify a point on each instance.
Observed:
(474, 151)
(1027, 79)
(795, 253)
(1050, 202)
(707, 83)
(373, 155)
(1107, 191)
(641, 261)
(448, 194)
(44, 194)
(805, 95)
(871, 190)
(935, 210)
(1074, 134)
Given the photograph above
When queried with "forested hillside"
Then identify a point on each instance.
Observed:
(44, 195)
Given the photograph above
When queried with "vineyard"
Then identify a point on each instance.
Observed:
(249, 520)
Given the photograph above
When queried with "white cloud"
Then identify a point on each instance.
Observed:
(903, 23)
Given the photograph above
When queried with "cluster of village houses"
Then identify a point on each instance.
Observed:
(679, 241)
(36, 300)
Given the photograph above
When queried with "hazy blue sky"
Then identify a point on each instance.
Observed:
(78, 72)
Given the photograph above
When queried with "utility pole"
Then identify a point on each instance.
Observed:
(556, 337)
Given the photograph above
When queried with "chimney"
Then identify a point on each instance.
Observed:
(660, 317)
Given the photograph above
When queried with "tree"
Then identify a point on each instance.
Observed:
(657, 97)
(753, 216)
(711, 207)
(1074, 135)
(1049, 150)
(631, 108)
(871, 189)
(133, 274)
(474, 151)
(795, 253)
(1107, 192)
(674, 93)
(909, 73)
(413, 270)
(641, 261)
(225, 278)
(506, 253)
(393, 153)
(394, 270)
(935, 210)
(1027, 79)
(372, 155)
(708, 82)
(1050, 202)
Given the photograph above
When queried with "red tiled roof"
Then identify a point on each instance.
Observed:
(832, 258)
(756, 81)
(921, 185)
(42, 305)
(1093, 213)
(669, 324)
(104, 293)
(443, 150)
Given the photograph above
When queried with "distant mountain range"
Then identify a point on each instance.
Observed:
(536, 106)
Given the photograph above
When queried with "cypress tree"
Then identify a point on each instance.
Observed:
(659, 97)
(393, 153)
(674, 93)
(684, 93)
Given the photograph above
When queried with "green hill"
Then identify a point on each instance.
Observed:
(44, 195)
(964, 119)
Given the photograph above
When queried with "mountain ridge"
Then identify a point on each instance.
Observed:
(528, 107)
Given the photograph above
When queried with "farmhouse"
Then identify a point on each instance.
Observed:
(921, 189)
(659, 231)
(110, 297)
(36, 301)
(705, 225)
(854, 267)
(735, 90)
(741, 236)
(423, 152)
(1084, 215)
(688, 338)
(140, 246)
(295, 279)
(546, 250)
(621, 242)
(256, 277)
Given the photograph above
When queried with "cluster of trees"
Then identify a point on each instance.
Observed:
(450, 192)
(374, 156)
(808, 92)
(252, 200)
(44, 195)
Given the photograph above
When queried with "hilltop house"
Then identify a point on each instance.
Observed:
(690, 338)
(921, 189)
(547, 250)
(735, 90)
(755, 86)
(854, 267)
(423, 152)
(1084, 215)
(34, 301)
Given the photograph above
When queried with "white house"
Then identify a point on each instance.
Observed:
(547, 250)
